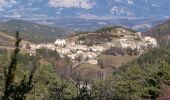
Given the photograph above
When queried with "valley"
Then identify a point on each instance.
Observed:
(86, 58)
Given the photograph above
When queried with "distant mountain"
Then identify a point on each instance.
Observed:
(161, 32)
(32, 32)
(87, 14)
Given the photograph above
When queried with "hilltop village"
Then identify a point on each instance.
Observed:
(78, 51)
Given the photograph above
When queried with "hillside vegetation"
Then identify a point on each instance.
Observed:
(111, 28)
(134, 77)
(32, 32)
(146, 78)
(102, 35)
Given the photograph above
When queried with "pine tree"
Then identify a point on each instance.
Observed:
(12, 90)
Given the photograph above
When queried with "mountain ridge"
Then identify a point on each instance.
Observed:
(79, 14)
(32, 31)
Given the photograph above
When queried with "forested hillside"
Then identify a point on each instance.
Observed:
(147, 78)
(84, 50)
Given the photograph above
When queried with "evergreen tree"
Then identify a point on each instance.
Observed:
(13, 90)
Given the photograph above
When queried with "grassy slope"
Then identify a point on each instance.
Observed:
(118, 60)
(33, 32)
(7, 41)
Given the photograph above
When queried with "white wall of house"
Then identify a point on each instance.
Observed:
(150, 41)
(92, 61)
(97, 48)
(60, 42)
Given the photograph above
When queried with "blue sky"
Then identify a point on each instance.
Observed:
(84, 8)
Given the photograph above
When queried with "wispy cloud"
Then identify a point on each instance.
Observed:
(120, 10)
(130, 2)
(6, 4)
(84, 4)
